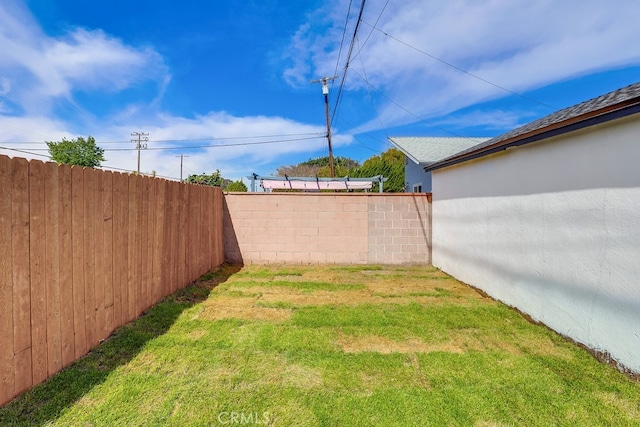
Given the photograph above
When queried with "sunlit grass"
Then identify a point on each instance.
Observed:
(332, 346)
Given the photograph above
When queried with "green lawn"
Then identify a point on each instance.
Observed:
(331, 346)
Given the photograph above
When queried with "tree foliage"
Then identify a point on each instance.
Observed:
(238, 186)
(214, 179)
(389, 164)
(78, 151)
(320, 167)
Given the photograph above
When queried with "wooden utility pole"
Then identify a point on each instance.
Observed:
(181, 156)
(141, 143)
(325, 92)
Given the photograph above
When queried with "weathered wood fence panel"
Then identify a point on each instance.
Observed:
(83, 251)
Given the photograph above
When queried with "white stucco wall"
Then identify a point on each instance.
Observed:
(552, 228)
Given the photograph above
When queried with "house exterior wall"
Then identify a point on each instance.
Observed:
(415, 174)
(327, 228)
(552, 228)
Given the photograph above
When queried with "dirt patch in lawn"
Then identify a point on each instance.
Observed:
(249, 313)
(383, 345)
(301, 376)
(274, 295)
(241, 307)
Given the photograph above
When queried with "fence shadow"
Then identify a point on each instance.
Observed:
(47, 401)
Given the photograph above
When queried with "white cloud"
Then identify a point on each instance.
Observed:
(236, 143)
(41, 74)
(38, 69)
(519, 45)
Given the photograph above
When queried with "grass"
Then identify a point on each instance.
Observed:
(322, 346)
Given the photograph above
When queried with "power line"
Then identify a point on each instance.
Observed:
(461, 69)
(206, 146)
(408, 111)
(26, 152)
(217, 145)
(346, 65)
(344, 33)
(369, 91)
(212, 138)
(371, 32)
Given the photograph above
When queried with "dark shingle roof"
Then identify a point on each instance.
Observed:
(601, 105)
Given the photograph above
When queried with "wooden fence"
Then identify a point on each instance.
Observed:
(83, 251)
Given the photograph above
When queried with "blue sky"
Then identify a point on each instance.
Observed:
(227, 83)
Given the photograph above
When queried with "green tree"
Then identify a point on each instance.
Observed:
(238, 186)
(79, 151)
(320, 167)
(214, 179)
(389, 164)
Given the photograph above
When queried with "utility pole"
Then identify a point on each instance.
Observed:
(181, 156)
(325, 92)
(141, 143)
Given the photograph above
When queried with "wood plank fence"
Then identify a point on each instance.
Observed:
(84, 251)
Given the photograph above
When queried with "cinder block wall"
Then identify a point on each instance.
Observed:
(327, 228)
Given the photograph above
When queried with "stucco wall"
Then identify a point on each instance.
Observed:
(552, 228)
(321, 228)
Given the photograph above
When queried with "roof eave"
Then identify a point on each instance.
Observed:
(617, 111)
(405, 152)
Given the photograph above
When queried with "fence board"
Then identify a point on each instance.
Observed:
(171, 256)
(107, 214)
(138, 244)
(21, 274)
(157, 248)
(123, 233)
(66, 266)
(37, 254)
(52, 269)
(7, 376)
(167, 259)
(182, 236)
(78, 255)
(89, 258)
(132, 278)
(99, 258)
(90, 255)
(117, 249)
(146, 239)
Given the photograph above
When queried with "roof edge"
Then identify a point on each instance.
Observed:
(605, 114)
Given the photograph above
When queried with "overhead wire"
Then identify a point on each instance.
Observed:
(25, 152)
(314, 134)
(408, 111)
(348, 60)
(462, 70)
(372, 29)
(204, 146)
(364, 71)
(344, 33)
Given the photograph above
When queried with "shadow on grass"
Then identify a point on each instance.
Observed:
(47, 401)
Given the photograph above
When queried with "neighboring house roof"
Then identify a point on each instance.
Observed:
(427, 150)
(619, 103)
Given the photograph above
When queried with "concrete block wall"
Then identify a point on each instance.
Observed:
(327, 228)
(399, 229)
